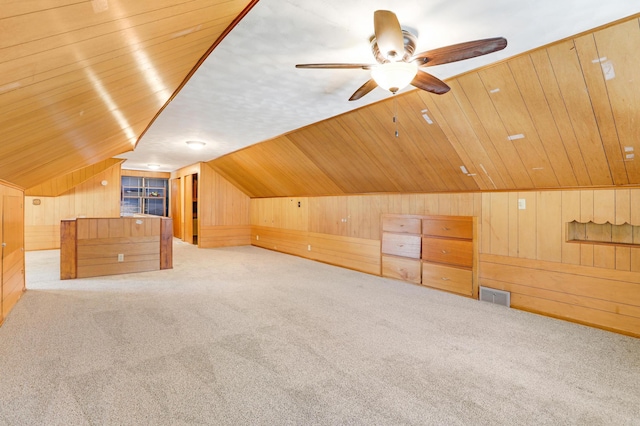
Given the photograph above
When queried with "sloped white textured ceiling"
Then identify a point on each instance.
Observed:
(249, 90)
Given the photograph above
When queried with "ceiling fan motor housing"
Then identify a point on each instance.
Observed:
(409, 47)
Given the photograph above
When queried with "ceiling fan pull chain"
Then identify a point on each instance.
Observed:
(395, 113)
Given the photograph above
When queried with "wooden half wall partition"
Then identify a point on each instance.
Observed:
(92, 247)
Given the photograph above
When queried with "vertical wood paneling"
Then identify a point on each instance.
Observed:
(567, 70)
(462, 135)
(87, 199)
(485, 223)
(635, 220)
(586, 215)
(549, 226)
(499, 223)
(478, 95)
(622, 216)
(513, 112)
(527, 226)
(571, 253)
(592, 69)
(616, 43)
(604, 210)
(543, 123)
(513, 224)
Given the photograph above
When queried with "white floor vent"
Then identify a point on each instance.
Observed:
(492, 295)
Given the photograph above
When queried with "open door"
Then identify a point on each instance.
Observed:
(176, 211)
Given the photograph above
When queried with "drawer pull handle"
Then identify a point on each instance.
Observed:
(444, 279)
(444, 252)
(444, 228)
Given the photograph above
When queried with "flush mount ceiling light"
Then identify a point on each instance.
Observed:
(153, 166)
(195, 144)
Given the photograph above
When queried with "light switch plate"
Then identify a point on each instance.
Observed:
(522, 203)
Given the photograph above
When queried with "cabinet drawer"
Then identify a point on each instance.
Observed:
(401, 225)
(453, 252)
(447, 278)
(401, 245)
(448, 228)
(402, 269)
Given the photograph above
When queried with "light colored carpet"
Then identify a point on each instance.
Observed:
(248, 336)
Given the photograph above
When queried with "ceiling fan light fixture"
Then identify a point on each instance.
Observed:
(394, 76)
(196, 145)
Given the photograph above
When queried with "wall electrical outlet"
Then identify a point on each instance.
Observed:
(121, 257)
(257, 237)
(309, 247)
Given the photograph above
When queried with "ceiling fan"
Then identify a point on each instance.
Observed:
(398, 67)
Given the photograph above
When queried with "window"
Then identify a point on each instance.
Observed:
(143, 195)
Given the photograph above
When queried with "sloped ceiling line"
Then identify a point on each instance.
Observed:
(542, 120)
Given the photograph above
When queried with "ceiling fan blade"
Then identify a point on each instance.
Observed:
(427, 82)
(388, 34)
(364, 89)
(460, 51)
(335, 66)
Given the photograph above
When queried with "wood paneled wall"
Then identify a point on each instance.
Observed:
(344, 231)
(223, 210)
(61, 184)
(562, 116)
(12, 277)
(584, 282)
(87, 199)
(80, 81)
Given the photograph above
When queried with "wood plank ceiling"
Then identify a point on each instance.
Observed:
(81, 80)
(563, 116)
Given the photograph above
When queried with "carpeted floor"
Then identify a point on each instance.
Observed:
(247, 336)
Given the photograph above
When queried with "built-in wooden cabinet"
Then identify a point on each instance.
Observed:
(448, 253)
(435, 251)
(401, 247)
